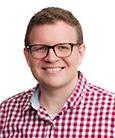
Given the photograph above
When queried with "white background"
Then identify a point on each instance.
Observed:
(98, 21)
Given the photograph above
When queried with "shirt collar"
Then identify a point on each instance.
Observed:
(28, 98)
(35, 99)
(78, 93)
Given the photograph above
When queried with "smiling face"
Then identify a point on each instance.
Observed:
(52, 71)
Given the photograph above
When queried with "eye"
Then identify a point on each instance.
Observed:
(63, 47)
(39, 49)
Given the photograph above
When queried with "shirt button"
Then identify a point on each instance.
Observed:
(49, 123)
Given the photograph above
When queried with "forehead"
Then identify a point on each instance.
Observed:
(53, 33)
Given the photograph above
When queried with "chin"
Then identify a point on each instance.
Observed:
(53, 84)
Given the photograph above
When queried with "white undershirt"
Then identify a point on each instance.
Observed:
(36, 103)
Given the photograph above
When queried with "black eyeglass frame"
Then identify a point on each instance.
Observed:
(29, 47)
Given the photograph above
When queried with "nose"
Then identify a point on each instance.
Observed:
(51, 57)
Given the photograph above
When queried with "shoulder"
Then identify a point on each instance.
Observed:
(100, 95)
(93, 90)
(14, 106)
(100, 90)
(18, 99)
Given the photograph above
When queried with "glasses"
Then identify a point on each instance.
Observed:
(61, 50)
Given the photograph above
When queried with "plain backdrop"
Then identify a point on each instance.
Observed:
(97, 18)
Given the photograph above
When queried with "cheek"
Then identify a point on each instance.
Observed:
(34, 64)
(35, 69)
(72, 64)
(77, 58)
(74, 60)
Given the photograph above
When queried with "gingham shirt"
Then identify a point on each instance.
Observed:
(88, 113)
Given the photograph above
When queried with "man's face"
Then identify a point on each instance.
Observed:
(52, 71)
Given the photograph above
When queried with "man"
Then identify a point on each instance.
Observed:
(63, 104)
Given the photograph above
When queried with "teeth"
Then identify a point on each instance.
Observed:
(53, 69)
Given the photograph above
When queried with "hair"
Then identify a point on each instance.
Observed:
(51, 15)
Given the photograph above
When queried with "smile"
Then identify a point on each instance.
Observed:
(53, 69)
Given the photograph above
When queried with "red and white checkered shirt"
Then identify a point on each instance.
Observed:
(88, 113)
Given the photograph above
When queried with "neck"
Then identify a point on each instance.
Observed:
(54, 99)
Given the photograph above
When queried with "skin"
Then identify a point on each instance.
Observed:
(57, 77)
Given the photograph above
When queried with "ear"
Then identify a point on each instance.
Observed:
(81, 50)
(27, 56)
